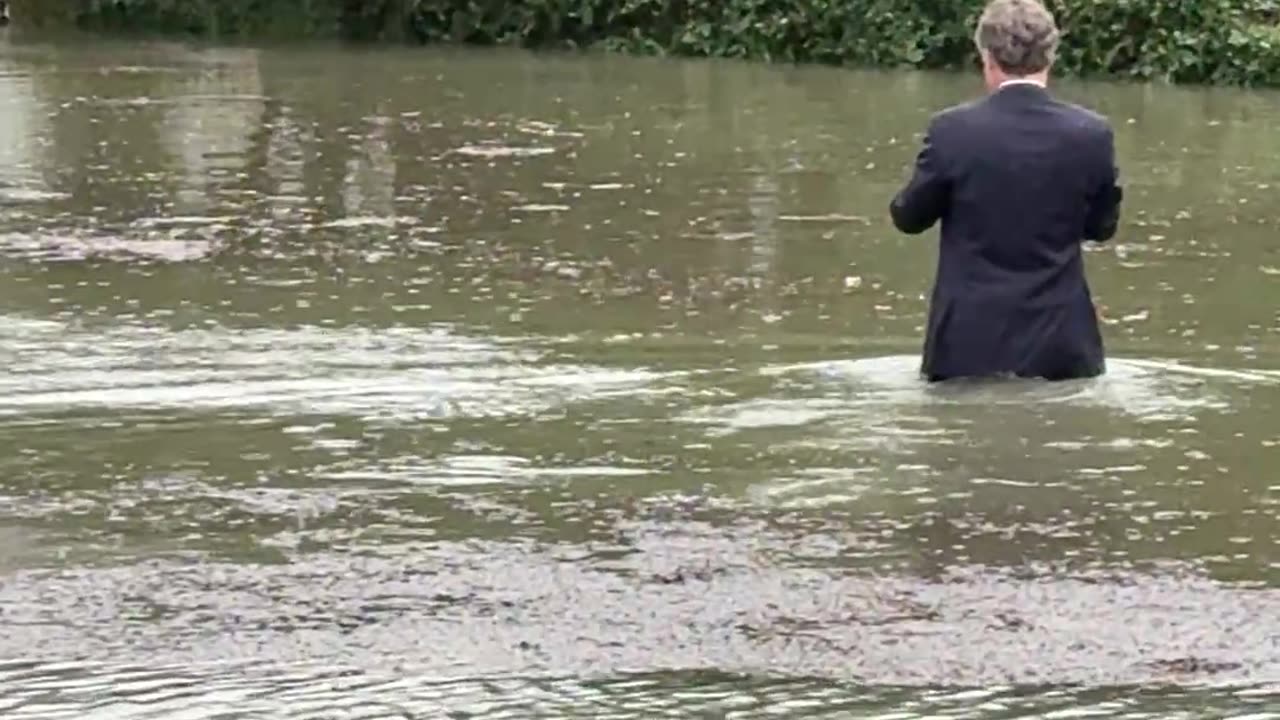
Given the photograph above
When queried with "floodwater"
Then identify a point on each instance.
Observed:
(423, 384)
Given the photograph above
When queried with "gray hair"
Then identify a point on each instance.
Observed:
(1020, 36)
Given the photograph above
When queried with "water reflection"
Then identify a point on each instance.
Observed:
(502, 379)
(209, 121)
(21, 117)
(284, 168)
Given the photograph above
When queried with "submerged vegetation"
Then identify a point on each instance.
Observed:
(1198, 41)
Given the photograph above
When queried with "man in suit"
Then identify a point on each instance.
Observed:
(1018, 180)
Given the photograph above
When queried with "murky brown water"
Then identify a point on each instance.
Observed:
(409, 383)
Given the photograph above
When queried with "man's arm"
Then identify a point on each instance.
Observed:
(924, 199)
(1103, 213)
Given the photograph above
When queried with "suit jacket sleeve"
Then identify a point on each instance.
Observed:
(924, 199)
(1103, 213)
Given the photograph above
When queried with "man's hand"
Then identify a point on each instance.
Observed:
(923, 201)
(1103, 213)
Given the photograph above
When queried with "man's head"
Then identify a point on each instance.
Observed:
(1017, 40)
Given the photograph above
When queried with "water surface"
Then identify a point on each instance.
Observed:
(424, 383)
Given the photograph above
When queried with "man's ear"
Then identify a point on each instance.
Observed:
(990, 70)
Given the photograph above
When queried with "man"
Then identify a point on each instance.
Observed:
(1018, 180)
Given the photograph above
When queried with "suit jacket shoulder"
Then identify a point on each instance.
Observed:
(951, 115)
(961, 109)
(1090, 121)
(944, 124)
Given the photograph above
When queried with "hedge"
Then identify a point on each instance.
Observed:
(1193, 41)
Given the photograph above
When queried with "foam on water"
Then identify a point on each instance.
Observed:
(417, 615)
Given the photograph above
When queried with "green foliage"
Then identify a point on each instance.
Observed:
(1215, 41)
(203, 18)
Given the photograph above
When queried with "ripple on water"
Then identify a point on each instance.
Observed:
(395, 373)
(472, 469)
(75, 246)
(1139, 387)
(311, 691)
(21, 195)
(871, 426)
(493, 151)
(881, 402)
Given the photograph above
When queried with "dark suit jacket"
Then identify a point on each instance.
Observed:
(1019, 180)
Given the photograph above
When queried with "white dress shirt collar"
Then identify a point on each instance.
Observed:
(1021, 81)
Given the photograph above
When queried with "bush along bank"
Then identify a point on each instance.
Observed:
(1193, 41)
